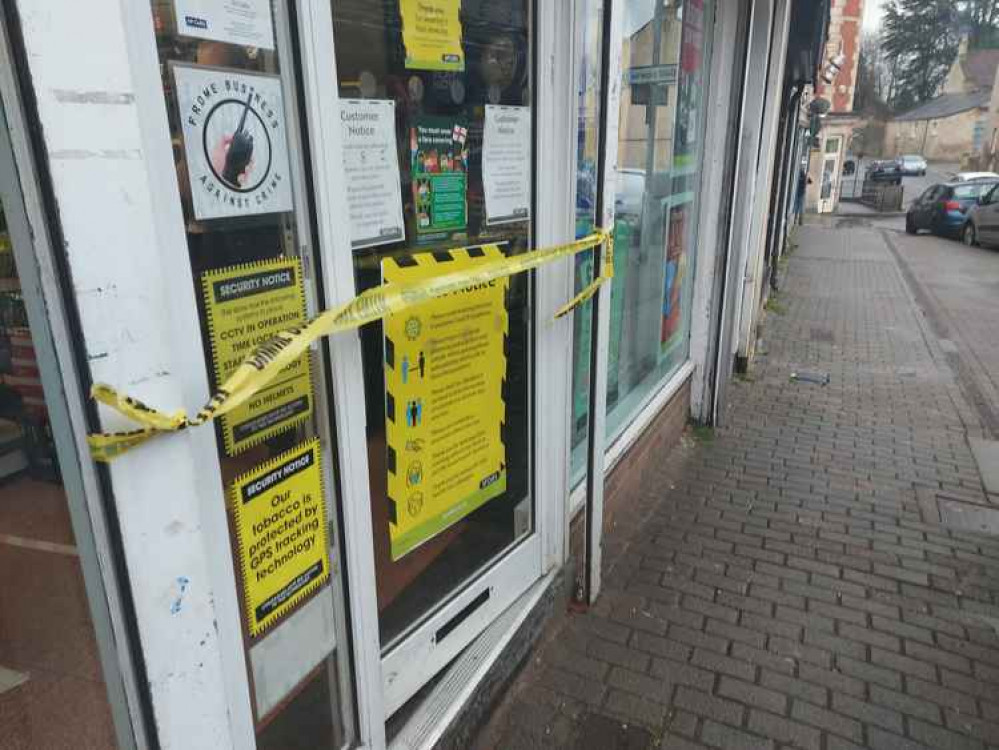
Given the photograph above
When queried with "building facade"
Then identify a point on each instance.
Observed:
(846, 19)
(953, 126)
(825, 163)
(300, 447)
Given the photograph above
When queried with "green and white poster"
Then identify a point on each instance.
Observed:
(438, 149)
(624, 233)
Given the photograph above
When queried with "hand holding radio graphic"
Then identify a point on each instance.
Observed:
(232, 156)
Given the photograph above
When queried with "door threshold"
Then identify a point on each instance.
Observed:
(434, 717)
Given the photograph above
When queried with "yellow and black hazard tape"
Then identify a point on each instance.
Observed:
(276, 353)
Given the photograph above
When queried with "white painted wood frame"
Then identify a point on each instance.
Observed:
(385, 681)
(767, 89)
(595, 470)
(722, 118)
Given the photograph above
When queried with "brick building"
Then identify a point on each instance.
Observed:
(844, 36)
(826, 168)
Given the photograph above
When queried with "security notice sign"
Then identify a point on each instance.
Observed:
(245, 305)
(445, 371)
(280, 519)
(234, 142)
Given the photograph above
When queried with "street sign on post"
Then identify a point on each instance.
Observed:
(650, 83)
(663, 75)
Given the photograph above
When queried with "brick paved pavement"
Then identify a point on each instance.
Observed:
(780, 585)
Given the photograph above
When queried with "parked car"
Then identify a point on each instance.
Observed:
(943, 208)
(912, 164)
(884, 171)
(980, 227)
(969, 176)
(630, 194)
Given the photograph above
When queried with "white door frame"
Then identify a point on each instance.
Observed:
(768, 41)
(384, 684)
(828, 205)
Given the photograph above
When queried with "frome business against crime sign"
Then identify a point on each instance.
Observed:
(280, 519)
(235, 142)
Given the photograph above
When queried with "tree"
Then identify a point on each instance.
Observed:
(979, 19)
(920, 42)
(875, 77)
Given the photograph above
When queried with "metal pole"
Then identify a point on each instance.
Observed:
(593, 516)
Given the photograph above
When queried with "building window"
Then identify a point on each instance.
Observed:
(666, 53)
(665, 59)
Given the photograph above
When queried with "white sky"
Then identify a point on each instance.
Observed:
(872, 13)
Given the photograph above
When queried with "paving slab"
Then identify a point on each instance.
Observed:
(986, 453)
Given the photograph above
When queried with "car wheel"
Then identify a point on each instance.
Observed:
(969, 235)
(910, 225)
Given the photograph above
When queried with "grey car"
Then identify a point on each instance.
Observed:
(912, 164)
(982, 224)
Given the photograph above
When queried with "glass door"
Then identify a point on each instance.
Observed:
(241, 177)
(830, 175)
(435, 110)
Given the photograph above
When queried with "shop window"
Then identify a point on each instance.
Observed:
(231, 104)
(666, 57)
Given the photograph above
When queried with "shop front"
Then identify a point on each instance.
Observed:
(340, 543)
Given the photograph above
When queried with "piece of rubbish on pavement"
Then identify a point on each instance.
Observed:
(805, 376)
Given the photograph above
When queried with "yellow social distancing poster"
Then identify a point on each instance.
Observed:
(280, 519)
(245, 306)
(431, 34)
(445, 367)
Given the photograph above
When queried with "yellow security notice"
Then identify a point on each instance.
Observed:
(245, 306)
(445, 367)
(280, 519)
(431, 34)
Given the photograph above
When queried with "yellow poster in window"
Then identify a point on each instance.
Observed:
(246, 305)
(280, 519)
(445, 411)
(431, 34)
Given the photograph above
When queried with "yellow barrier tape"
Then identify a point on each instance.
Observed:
(275, 354)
